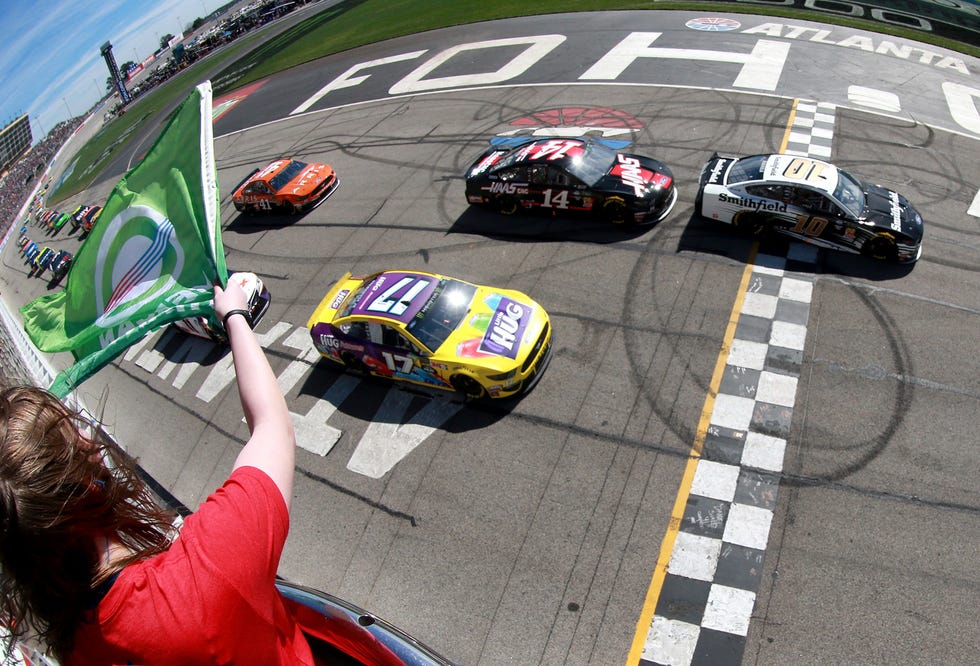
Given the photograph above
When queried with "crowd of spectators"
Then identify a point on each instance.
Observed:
(18, 183)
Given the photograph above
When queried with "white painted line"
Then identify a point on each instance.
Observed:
(388, 439)
(715, 480)
(760, 305)
(733, 412)
(776, 389)
(820, 151)
(974, 208)
(763, 452)
(729, 609)
(873, 98)
(791, 336)
(312, 432)
(747, 354)
(695, 556)
(670, 641)
(796, 290)
(748, 526)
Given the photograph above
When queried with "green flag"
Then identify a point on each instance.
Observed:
(152, 257)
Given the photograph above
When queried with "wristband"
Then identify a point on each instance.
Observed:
(244, 313)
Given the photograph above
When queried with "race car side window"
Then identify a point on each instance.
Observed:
(355, 329)
(517, 173)
(539, 174)
(393, 338)
(257, 188)
(558, 177)
(767, 191)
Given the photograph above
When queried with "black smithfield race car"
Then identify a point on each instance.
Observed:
(559, 175)
(812, 201)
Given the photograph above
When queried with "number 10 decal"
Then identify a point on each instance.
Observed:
(804, 169)
(810, 225)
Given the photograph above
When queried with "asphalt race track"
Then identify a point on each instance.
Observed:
(528, 532)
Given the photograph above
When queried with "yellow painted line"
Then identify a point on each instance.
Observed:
(789, 126)
(684, 492)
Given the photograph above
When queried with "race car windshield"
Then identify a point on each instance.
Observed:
(442, 313)
(747, 169)
(850, 193)
(593, 164)
(287, 174)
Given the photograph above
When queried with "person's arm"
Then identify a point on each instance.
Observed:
(272, 446)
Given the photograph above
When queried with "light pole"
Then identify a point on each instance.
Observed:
(70, 114)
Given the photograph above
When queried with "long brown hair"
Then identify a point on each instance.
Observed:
(64, 493)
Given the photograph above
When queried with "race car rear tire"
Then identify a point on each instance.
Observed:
(468, 386)
(750, 223)
(881, 246)
(505, 204)
(616, 212)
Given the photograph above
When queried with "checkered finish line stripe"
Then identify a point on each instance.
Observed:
(705, 604)
(708, 594)
(812, 131)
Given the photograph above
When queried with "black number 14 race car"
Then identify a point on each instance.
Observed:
(811, 201)
(564, 175)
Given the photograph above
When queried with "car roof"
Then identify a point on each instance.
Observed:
(550, 150)
(793, 170)
(381, 293)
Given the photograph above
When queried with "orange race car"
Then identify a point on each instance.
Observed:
(286, 184)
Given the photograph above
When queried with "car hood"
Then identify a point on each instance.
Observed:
(499, 330)
(890, 210)
(308, 179)
(637, 176)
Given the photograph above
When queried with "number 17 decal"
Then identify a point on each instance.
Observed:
(394, 361)
(394, 305)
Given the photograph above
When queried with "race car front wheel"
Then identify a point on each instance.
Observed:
(506, 204)
(615, 211)
(468, 386)
(750, 223)
(881, 246)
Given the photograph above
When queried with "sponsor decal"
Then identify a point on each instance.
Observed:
(716, 171)
(226, 103)
(141, 270)
(754, 204)
(506, 330)
(339, 298)
(896, 211)
(506, 188)
(555, 149)
(486, 163)
(713, 24)
(632, 174)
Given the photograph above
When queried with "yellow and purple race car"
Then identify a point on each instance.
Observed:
(434, 330)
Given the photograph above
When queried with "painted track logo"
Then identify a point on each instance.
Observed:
(713, 24)
(137, 260)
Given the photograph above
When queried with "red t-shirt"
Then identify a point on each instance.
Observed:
(210, 598)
